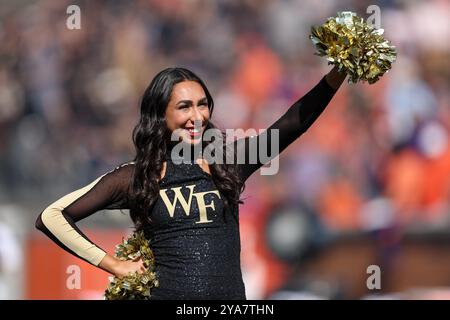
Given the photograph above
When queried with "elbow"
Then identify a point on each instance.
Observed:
(39, 224)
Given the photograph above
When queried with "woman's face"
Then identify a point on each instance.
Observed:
(188, 110)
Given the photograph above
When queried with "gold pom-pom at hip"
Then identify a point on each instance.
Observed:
(134, 286)
(354, 47)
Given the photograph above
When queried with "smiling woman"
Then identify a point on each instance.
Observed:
(189, 213)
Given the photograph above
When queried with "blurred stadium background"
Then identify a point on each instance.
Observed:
(368, 184)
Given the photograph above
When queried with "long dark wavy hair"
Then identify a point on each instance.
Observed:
(151, 139)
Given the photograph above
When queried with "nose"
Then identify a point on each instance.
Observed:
(196, 116)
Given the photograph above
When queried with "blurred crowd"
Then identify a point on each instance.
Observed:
(379, 155)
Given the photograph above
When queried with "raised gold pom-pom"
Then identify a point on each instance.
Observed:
(354, 47)
(134, 286)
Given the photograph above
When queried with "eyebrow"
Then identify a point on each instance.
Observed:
(189, 102)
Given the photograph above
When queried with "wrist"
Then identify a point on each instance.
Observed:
(110, 264)
(335, 78)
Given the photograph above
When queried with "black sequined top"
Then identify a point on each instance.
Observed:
(196, 244)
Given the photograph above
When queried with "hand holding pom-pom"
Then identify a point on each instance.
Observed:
(134, 286)
(354, 47)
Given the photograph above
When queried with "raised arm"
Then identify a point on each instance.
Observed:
(57, 221)
(297, 119)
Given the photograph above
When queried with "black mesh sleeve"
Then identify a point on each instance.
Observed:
(57, 221)
(298, 118)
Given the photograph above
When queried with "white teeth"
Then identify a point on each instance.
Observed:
(194, 130)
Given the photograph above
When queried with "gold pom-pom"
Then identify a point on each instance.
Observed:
(134, 286)
(354, 47)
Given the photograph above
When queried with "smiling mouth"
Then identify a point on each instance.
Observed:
(194, 132)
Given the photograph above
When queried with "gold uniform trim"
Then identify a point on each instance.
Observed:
(54, 220)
